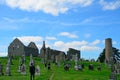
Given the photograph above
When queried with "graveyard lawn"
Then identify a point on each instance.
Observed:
(56, 73)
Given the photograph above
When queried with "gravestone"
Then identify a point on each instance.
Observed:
(80, 67)
(8, 73)
(118, 68)
(57, 62)
(49, 67)
(113, 76)
(99, 68)
(31, 60)
(19, 68)
(1, 69)
(23, 69)
(66, 67)
(20, 63)
(37, 70)
(91, 67)
(22, 59)
(76, 60)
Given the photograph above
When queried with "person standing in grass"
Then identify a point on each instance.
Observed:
(32, 71)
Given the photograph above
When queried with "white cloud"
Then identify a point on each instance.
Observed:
(54, 7)
(80, 45)
(59, 44)
(3, 48)
(64, 46)
(67, 34)
(110, 5)
(50, 38)
(3, 54)
(76, 43)
(89, 48)
(95, 42)
(28, 39)
(23, 20)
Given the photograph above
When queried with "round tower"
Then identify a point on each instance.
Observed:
(108, 50)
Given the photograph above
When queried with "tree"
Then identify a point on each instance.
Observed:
(101, 57)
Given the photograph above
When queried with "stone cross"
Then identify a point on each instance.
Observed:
(31, 60)
(23, 59)
(8, 73)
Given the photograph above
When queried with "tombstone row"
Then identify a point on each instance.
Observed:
(81, 67)
(21, 67)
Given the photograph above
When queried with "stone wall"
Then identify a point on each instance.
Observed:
(17, 48)
(71, 53)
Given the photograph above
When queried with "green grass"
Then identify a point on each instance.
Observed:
(56, 73)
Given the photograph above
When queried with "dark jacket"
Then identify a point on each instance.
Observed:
(32, 69)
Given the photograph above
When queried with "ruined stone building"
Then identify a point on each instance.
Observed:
(17, 48)
(51, 54)
(108, 50)
(71, 54)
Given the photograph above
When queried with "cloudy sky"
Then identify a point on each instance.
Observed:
(63, 24)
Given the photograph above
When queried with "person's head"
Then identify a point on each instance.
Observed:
(31, 64)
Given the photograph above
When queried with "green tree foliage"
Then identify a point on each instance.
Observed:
(101, 57)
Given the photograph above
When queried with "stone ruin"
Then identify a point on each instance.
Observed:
(17, 48)
(110, 58)
(108, 51)
(50, 55)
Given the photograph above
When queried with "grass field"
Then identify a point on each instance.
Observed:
(57, 73)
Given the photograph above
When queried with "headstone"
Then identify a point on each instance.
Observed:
(66, 67)
(80, 67)
(113, 76)
(49, 67)
(23, 69)
(9, 61)
(19, 68)
(76, 60)
(37, 70)
(8, 73)
(31, 60)
(42, 60)
(1, 69)
(45, 64)
(58, 64)
(22, 59)
(91, 67)
(99, 68)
